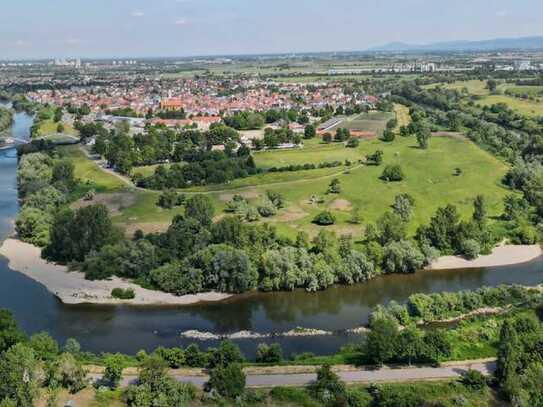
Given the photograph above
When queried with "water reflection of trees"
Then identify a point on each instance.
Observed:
(336, 306)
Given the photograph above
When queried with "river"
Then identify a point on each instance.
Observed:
(129, 329)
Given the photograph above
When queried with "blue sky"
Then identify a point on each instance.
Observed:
(110, 28)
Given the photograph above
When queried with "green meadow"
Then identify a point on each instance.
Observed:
(429, 178)
(478, 88)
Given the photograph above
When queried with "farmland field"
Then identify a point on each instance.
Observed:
(371, 122)
(532, 91)
(474, 87)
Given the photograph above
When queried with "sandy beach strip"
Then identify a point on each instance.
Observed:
(501, 256)
(72, 288)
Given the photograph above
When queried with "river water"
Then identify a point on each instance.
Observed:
(128, 329)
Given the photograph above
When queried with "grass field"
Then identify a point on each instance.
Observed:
(402, 115)
(429, 179)
(474, 87)
(91, 175)
(314, 152)
(533, 91)
(147, 170)
(478, 88)
(50, 127)
(525, 107)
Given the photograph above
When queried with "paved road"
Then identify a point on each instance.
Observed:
(403, 374)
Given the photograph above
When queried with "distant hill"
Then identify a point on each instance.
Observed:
(496, 44)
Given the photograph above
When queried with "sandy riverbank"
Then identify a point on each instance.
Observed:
(72, 288)
(501, 256)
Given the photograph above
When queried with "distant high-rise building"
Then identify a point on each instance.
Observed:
(522, 65)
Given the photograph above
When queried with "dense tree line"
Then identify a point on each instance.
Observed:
(160, 145)
(6, 118)
(519, 372)
(307, 166)
(44, 183)
(214, 167)
(274, 137)
(442, 306)
(29, 364)
(196, 255)
(245, 121)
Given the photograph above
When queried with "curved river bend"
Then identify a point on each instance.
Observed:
(128, 329)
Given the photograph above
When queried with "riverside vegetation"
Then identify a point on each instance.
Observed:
(197, 254)
(514, 337)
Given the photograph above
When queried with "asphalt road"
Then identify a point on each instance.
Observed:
(385, 374)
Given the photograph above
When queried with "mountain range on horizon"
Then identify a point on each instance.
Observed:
(495, 44)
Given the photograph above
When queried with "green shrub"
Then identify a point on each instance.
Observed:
(353, 143)
(294, 396)
(228, 381)
(269, 353)
(474, 379)
(324, 218)
(470, 249)
(123, 294)
(393, 173)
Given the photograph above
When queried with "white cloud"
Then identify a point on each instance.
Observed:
(22, 43)
(181, 21)
(137, 13)
(502, 13)
(73, 41)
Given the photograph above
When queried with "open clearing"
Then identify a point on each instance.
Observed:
(314, 152)
(429, 179)
(92, 176)
(50, 127)
(526, 107)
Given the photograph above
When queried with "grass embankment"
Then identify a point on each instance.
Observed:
(130, 208)
(91, 175)
(46, 127)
